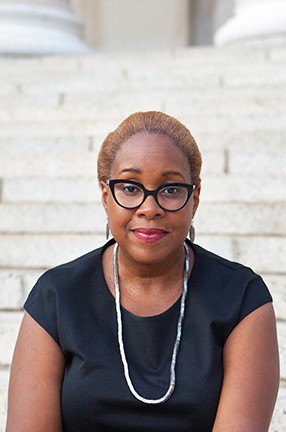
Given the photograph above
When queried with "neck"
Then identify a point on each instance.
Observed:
(150, 290)
(152, 276)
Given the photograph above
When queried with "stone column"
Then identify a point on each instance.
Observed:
(254, 21)
(39, 27)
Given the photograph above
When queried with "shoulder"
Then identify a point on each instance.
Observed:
(62, 290)
(78, 269)
(226, 277)
(216, 263)
(227, 288)
(222, 267)
(228, 282)
(214, 259)
(76, 277)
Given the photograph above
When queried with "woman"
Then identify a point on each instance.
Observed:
(151, 333)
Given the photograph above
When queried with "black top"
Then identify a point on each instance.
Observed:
(74, 305)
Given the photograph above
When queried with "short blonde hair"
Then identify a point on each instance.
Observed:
(153, 122)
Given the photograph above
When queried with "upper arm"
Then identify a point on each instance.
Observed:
(35, 381)
(251, 374)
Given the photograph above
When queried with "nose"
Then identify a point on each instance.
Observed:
(150, 209)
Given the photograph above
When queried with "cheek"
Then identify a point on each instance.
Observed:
(117, 216)
(186, 222)
(110, 205)
(188, 212)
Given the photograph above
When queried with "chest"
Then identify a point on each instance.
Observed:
(95, 395)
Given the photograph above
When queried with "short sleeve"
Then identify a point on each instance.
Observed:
(256, 294)
(41, 304)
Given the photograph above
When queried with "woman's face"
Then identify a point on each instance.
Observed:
(149, 234)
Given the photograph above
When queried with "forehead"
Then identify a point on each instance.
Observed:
(150, 149)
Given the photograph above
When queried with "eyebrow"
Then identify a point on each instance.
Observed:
(172, 172)
(131, 170)
(138, 171)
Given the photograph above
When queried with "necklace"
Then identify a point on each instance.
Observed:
(176, 347)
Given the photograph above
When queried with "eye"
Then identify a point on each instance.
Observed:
(130, 189)
(171, 191)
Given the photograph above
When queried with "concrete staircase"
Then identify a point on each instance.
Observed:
(54, 114)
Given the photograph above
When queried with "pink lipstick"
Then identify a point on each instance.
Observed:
(149, 235)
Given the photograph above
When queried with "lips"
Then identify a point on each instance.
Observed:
(149, 235)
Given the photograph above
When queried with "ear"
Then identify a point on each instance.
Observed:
(104, 195)
(196, 199)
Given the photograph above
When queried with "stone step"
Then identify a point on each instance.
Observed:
(55, 122)
(190, 101)
(4, 380)
(279, 416)
(55, 130)
(36, 251)
(216, 188)
(256, 140)
(221, 113)
(50, 190)
(185, 68)
(86, 126)
(9, 327)
(79, 164)
(14, 98)
(207, 58)
(47, 144)
(234, 188)
(94, 119)
(281, 329)
(260, 141)
(84, 163)
(114, 79)
(217, 83)
(263, 254)
(277, 287)
(130, 67)
(215, 56)
(15, 284)
(243, 219)
(52, 218)
(83, 63)
(252, 162)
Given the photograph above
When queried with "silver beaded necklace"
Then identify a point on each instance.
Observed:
(172, 384)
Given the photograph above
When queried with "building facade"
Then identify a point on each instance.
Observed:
(35, 27)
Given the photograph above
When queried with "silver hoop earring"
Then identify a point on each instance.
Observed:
(192, 232)
(107, 231)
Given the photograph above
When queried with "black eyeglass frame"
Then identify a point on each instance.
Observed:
(190, 188)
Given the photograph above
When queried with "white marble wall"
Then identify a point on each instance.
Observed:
(132, 24)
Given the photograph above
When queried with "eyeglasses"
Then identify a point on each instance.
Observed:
(130, 194)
